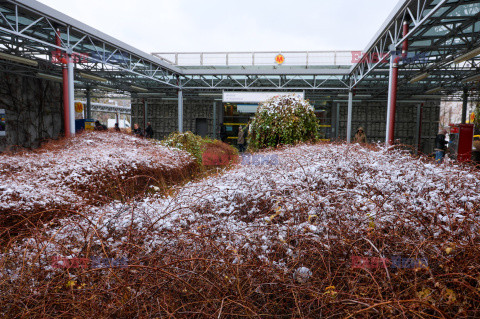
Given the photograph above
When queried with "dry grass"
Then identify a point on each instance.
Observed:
(229, 246)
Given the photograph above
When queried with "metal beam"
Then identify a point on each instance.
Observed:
(89, 103)
(264, 71)
(71, 95)
(349, 116)
(214, 120)
(180, 111)
(464, 105)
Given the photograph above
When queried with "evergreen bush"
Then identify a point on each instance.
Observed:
(286, 119)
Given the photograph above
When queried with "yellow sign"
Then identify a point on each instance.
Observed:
(472, 117)
(279, 59)
(89, 126)
(78, 107)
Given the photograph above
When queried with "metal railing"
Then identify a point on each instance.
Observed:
(290, 58)
(108, 108)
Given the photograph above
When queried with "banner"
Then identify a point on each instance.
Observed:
(2, 123)
(247, 108)
(254, 97)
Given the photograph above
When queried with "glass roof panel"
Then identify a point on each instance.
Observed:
(476, 26)
(421, 43)
(438, 31)
(465, 10)
(440, 11)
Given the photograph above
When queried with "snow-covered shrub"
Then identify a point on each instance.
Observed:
(87, 169)
(286, 119)
(305, 237)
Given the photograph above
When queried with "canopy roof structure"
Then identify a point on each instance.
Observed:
(443, 56)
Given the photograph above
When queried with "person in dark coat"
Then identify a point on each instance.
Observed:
(137, 131)
(440, 145)
(223, 133)
(99, 126)
(149, 131)
(117, 128)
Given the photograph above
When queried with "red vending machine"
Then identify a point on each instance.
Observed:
(461, 140)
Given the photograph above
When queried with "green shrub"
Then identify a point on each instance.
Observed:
(476, 121)
(198, 146)
(188, 142)
(285, 119)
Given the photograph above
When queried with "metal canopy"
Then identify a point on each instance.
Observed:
(440, 32)
(27, 29)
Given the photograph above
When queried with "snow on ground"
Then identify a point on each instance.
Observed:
(52, 176)
(318, 192)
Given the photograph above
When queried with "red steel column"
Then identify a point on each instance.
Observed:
(66, 105)
(393, 101)
(393, 88)
(405, 43)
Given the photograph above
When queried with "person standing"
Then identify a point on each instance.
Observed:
(245, 135)
(440, 145)
(149, 131)
(360, 136)
(223, 132)
(241, 140)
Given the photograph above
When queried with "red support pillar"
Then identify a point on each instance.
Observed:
(405, 43)
(393, 101)
(393, 87)
(66, 105)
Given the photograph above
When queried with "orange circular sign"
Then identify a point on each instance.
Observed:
(78, 107)
(472, 118)
(279, 59)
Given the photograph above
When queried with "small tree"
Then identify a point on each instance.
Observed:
(285, 119)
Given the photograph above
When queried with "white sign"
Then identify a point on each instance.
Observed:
(3, 123)
(254, 97)
(247, 108)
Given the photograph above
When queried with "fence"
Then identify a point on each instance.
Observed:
(288, 58)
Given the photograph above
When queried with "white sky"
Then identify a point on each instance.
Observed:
(233, 25)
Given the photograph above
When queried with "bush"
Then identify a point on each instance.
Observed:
(188, 142)
(282, 120)
(217, 153)
(206, 151)
(91, 168)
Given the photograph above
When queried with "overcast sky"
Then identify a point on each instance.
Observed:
(238, 25)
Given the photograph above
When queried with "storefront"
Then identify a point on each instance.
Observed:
(236, 115)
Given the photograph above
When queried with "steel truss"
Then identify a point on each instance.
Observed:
(267, 82)
(28, 28)
(440, 31)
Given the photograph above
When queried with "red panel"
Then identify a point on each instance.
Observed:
(465, 143)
